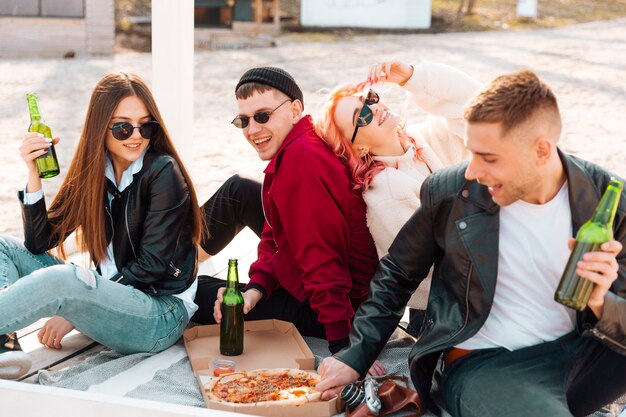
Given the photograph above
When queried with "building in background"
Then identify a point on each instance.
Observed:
(56, 27)
(75, 27)
(236, 23)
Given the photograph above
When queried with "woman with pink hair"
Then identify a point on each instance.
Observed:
(389, 161)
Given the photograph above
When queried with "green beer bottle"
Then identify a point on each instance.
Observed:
(47, 164)
(573, 290)
(231, 326)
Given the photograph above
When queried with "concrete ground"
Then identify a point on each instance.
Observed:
(585, 65)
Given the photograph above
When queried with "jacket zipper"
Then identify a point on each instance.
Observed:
(469, 277)
(602, 336)
(176, 270)
(263, 205)
(128, 229)
(106, 208)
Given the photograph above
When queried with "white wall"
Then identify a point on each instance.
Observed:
(100, 27)
(55, 36)
(35, 36)
(384, 14)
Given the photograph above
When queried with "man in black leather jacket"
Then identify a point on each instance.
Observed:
(499, 342)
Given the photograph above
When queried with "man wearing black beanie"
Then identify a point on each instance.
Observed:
(316, 257)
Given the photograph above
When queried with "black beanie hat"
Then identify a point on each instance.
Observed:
(274, 77)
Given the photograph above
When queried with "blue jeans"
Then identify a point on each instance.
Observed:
(572, 375)
(118, 316)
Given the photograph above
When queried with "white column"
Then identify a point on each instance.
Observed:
(99, 27)
(172, 69)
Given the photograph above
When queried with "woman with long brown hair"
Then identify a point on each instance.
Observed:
(130, 202)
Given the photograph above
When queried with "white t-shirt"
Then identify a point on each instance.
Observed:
(533, 252)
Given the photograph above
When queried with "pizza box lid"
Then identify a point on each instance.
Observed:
(267, 344)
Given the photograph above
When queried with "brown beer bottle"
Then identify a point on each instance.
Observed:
(573, 290)
(231, 326)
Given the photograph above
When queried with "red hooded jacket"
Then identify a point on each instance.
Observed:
(315, 242)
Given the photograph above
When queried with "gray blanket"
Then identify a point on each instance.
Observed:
(168, 377)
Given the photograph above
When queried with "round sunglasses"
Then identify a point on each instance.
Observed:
(366, 115)
(260, 117)
(124, 130)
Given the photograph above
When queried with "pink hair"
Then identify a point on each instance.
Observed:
(363, 169)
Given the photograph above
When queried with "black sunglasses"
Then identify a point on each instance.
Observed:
(366, 115)
(124, 130)
(260, 117)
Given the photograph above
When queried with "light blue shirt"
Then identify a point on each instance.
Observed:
(107, 267)
(32, 198)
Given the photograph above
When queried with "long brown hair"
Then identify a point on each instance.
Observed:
(79, 204)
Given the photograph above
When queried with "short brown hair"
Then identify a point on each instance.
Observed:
(511, 99)
(247, 90)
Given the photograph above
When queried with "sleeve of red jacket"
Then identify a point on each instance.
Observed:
(316, 228)
(261, 270)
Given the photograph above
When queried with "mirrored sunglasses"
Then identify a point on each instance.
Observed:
(260, 117)
(366, 115)
(124, 130)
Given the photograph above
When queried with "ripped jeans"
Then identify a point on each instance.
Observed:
(117, 316)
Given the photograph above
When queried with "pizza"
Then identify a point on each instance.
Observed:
(287, 386)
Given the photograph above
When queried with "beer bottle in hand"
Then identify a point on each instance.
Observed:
(47, 164)
(573, 290)
(231, 326)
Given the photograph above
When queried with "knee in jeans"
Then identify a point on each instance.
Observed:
(63, 273)
(87, 276)
(233, 180)
(238, 186)
(7, 242)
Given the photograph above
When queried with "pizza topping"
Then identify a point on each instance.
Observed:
(258, 387)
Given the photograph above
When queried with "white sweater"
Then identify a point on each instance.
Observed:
(393, 196)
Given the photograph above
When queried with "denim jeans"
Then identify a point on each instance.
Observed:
(572, 375)
(118, 316)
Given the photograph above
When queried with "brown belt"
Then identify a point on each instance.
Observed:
(453, 354)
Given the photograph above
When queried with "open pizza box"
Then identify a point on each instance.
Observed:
(267, 344)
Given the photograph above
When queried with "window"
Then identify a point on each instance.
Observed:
(42, 8)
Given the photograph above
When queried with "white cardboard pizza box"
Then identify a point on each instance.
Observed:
(267, 344)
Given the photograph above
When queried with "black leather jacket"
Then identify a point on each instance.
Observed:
(152, 242)
(456, 230)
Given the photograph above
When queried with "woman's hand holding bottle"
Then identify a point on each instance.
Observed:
(33, 146)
